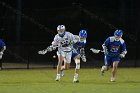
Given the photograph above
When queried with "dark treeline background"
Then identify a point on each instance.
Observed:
(27, 26)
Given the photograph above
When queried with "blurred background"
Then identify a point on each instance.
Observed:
(27, 26)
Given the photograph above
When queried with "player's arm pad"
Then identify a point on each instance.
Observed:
(104, 49)
(122, 55)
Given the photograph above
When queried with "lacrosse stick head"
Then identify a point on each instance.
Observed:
(42, 52)
(96, 51)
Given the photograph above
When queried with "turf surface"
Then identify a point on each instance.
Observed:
(43, 81)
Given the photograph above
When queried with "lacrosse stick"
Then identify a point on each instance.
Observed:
(48, 49)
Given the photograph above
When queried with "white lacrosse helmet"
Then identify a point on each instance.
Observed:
(61, 29)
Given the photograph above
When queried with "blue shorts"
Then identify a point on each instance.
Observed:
(75, 52)
(109, 60)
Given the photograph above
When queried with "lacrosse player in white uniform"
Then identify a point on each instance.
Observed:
(77, 52)
(63, 41)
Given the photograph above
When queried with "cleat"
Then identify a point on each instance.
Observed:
(57, 78)
(112, 79)
(76, 81)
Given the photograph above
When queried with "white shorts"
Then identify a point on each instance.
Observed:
(66, 55)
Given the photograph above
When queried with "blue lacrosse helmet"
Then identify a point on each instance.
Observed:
(118, 32)
(83, 33)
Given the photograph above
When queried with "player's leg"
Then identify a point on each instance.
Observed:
(66, 66)
(114, 69)
(77, 68)
(106, 65)
(76, 57)
(67, 61)
(63, 68)
(60, 60)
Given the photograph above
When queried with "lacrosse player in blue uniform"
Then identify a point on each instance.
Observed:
(2, 49)
(78, 51)
(114, 48)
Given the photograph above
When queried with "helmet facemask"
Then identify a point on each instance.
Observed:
(117, 38)
(61, 29)
(118, 34)
(82, 38)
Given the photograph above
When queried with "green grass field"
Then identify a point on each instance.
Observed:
(43, 81)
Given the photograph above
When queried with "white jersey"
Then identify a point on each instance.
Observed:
(64, 43)
(76, 38)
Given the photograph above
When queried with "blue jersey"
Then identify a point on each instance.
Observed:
(114, 48)
(77, 46)
(2, 44)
